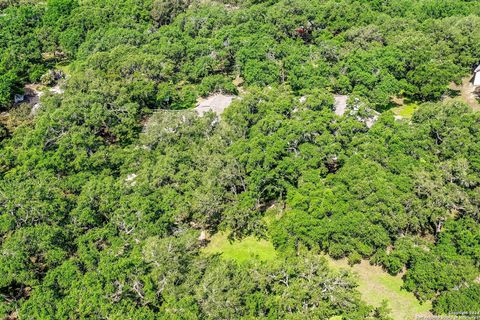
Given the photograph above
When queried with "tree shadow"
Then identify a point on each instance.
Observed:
(452, 93)
(388, 106)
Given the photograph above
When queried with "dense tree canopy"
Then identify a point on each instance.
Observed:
(105, 189)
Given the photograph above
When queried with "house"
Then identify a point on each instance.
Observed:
(476, 76)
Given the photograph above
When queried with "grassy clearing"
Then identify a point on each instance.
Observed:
(66, 68)
(406, 111)
(247, 249)
(376, 285)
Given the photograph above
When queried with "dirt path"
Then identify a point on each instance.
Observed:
(466, 91)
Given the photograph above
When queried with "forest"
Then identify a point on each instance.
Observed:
(111, 185)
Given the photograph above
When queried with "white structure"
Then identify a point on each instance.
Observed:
(476, 76)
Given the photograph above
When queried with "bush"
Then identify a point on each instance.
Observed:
(393, 264)
(354, 258)
(466, 299)
(164, 11)
(216, 84)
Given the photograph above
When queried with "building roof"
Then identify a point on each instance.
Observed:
(476, 79)
(477, 69)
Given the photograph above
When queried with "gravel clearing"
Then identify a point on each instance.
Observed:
(340, 104)
(216, 103)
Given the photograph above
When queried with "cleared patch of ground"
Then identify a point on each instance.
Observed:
(216, 103)
(466, 93)
(340, 108)
(33, 93)
(340, 104)
(403, 107)
(66, 68)
(405, 111)
(370, 121)
(249, 248)
(375, 285)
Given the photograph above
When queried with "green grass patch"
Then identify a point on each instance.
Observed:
(66, 68)
(247, 249)
(375, 285)
(405, 111)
